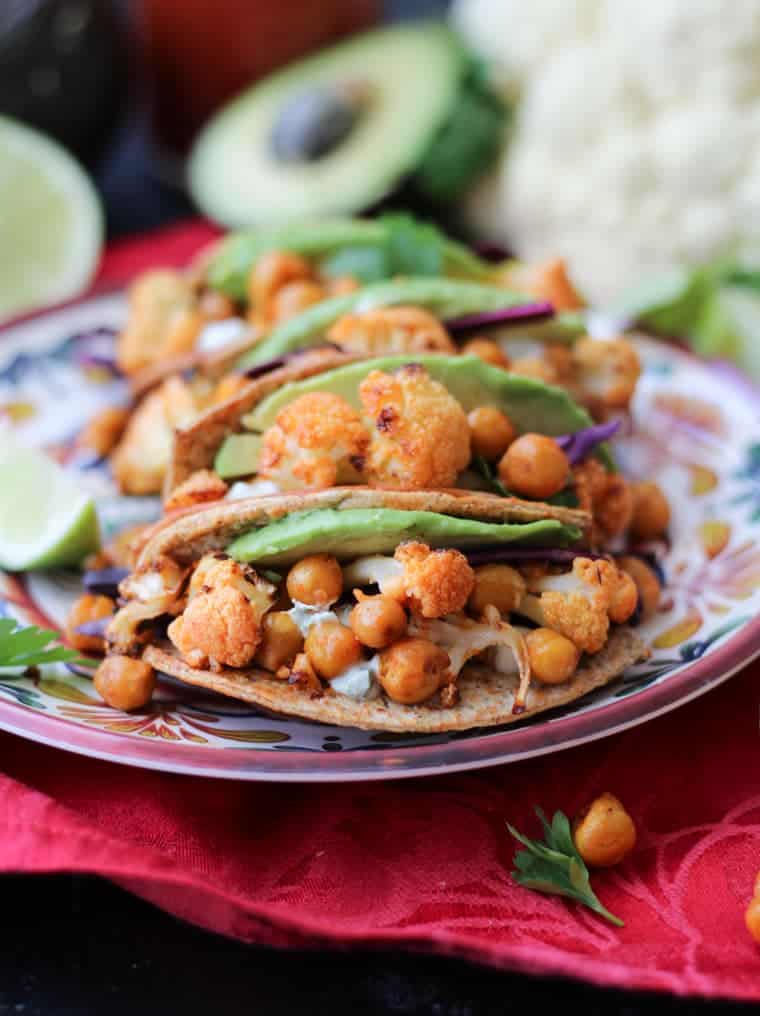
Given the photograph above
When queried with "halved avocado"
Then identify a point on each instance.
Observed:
(334, 133)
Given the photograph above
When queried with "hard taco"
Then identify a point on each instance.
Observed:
(389, 610)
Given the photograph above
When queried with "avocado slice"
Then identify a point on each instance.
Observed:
(444, 297)
(392, 89)
(355, 532)
(370, 249)
(238, 456)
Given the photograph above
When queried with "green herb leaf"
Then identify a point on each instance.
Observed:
(555, 866)
(30, 647)
(485, 470)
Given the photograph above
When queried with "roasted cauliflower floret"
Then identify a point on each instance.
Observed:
(606, 496)
(547, 280)
(199, 488)
(420, 436)
(580, 603)
(158, 301)
(217, 626)
(315, 442)
(140, 459)
(435, 582)
(216, 570)
(271, 272)
(391, 330)
(607, 371)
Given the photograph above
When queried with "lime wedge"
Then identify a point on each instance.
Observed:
(45, 520)
(51, 225)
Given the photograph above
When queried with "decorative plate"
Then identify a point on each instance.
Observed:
(697, 432)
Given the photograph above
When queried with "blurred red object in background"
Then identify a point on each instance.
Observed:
(199, 53)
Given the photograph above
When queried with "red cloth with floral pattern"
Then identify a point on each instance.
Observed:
(427, 862)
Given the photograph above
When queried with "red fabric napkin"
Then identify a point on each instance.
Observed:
(426, 863)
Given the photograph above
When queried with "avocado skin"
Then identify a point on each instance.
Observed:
(238, 456)
(355, 532)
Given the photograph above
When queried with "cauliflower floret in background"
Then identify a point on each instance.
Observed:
(637, 132)
(420, 435)
(391, 330)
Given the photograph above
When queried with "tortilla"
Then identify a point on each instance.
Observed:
(486, 696)
(196, 446)
(188, 535)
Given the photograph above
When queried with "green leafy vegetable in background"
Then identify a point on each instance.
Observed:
(485, 470)
(555, 866)
(30, 647)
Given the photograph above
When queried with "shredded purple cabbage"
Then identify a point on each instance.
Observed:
(490, 251)
(264, 368)
(578, 446)
(104, 581)
(558, 555)
(539, 311)
(97, 628)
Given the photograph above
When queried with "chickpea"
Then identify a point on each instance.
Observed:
(377, 621)
(88, 608)
(535, 367)
(104, 430)
(316, 580)
(125, 683)
(752, 918)
(534, 466)
(651, 512)
(487, 350)
(281, 641)
(412, 670)
(497, 585)
(294, 297)
(553, 657)
(647, 584)
(332, 648)
(604, 832)
(215, 306)
(491, 432)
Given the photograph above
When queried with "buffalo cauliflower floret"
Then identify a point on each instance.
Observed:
(199, 488)
(606, 496)
(218, 627)
(547, 280)
(607, 371)
(436, 582)
(580, 603)
(420, 434)
(391, 330)
(140, 459)
(302, 674)
(315, 442)
(216, 570)
(149, 593)
(158, 302)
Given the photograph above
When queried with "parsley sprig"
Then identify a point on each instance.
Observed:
(31, 646)
(555, 866)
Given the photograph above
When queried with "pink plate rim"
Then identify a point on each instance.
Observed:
(473, 752)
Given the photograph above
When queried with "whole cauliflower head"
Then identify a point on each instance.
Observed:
(316, 441)
(637, 131)
(420, 436)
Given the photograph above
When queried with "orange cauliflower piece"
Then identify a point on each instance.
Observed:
(391, 330)
(624, 596)
(606, 496)
(420, 434)
(436, 582)
(317, 441)
(199, 488)
(158, 300)
(574, 603)
(607, 371)
(218, 626)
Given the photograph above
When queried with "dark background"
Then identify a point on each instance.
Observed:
(74, 945)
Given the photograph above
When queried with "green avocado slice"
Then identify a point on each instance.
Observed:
(444, 297)
(238, 456)
(355, 532)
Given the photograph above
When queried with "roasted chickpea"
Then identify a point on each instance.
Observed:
(125, 683)
(752, 918)
(647, 583)
(491, 432)
(377, 621)
(413, 670)
(332, 648)
(281, 641)
(294, 297)
(651, 512)
(496, 585)
(534, 466)
(88, 608)
(215, 306)
(487, 350)
(553, 658)
(604, 832)
(316, 580)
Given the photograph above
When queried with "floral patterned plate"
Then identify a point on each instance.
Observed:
(697, 433)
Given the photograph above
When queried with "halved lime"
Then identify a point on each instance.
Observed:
(51, 224)
(46, 521)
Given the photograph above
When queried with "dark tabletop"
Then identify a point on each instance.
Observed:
(73, 945)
